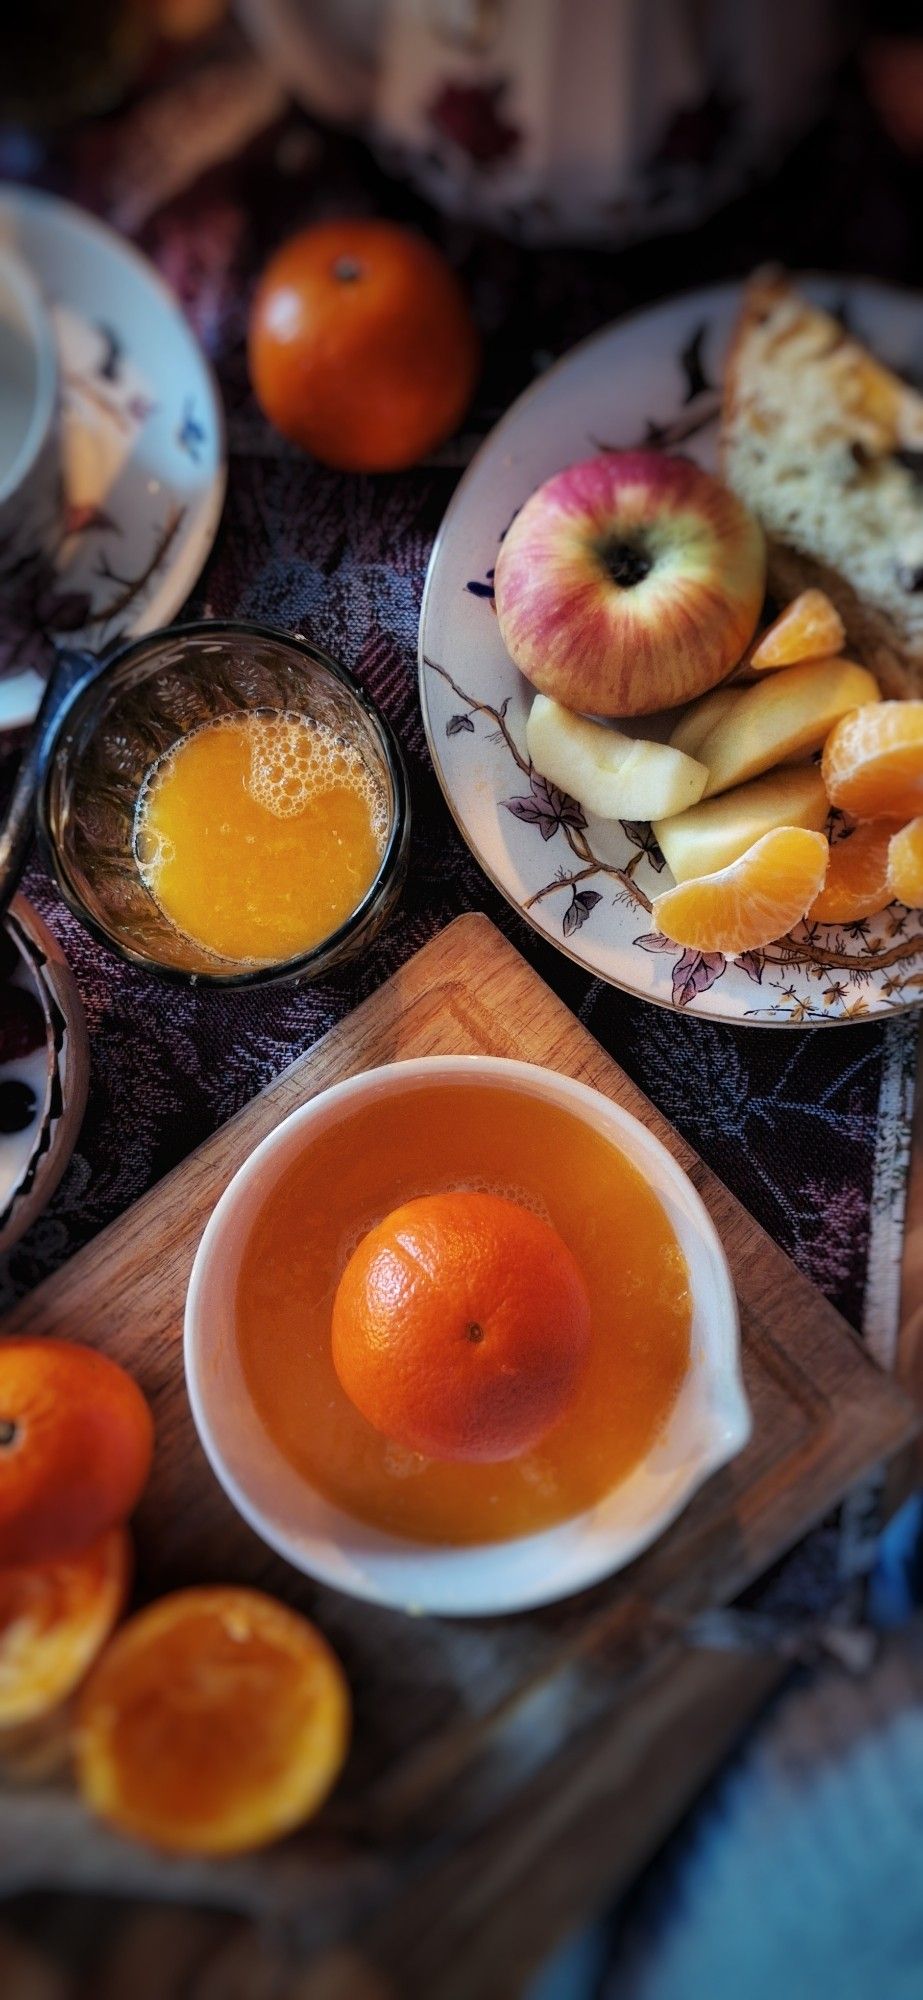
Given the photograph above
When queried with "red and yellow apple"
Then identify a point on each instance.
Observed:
(628, 583)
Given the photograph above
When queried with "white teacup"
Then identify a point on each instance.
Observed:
(30, 463)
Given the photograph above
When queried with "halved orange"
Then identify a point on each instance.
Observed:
(753, 900)
(905, 864)
(873, 761)
(216, 1721)
(54, 1617)
(857, 875)
(810, 628)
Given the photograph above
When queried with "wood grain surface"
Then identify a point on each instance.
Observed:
(469, 1735)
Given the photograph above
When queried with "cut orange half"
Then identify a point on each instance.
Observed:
(857, 875)
(751, 902)
(810, 628)
(216, 1721)
(905, 864)
(54, 1617)
(873, 761)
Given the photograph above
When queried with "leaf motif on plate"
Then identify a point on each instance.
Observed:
(457, 723)
(583, 902)
(641, 834)
(694, 973)
(546, 807)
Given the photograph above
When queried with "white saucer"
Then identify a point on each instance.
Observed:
(143, 446)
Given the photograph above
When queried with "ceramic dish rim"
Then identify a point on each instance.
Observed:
(43, 411)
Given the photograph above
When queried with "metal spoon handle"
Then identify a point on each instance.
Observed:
(16, 833)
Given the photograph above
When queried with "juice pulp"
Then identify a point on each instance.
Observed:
(259, 834)
(425, 1140)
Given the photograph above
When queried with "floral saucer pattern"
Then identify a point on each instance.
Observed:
(587, 883)
(143, 453)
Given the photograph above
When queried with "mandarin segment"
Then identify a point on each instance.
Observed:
(753, 901)
(905, 864)
(54, 1618)
(216, 1721)
(810, 628)
(873, 761)
(76, 1439)
(857, 875)
(461, 1327)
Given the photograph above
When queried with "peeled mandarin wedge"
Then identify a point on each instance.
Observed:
(857, 875)
(216, 1721)
(810, 628)
(753, 901)
(54, 1617)
(905, 864)
(873, 761)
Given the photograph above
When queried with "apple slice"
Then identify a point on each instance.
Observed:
(787, 714)
(711, 835)
(616, 776)
(698, 721)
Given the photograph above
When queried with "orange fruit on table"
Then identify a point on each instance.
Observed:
(461, 1326)
(873, 761)
(751, 902)
(905, 864)
(76, 1439)
(54, 1617)
(857, 875)
(810, 628)
(216, 1721)
(362, 347)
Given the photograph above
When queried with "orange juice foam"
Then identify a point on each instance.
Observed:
(424, 1141)
(258, 835)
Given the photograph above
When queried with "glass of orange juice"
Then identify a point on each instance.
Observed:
(223, 803)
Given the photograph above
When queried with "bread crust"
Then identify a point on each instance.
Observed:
(871, 634)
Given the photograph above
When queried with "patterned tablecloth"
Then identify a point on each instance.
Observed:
(809, 1129)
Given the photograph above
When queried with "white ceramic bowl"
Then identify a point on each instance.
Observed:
(709, 1423)
(29, 445)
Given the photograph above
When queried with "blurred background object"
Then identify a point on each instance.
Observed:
(590, 120)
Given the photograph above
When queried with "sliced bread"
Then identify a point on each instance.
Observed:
(825, 446)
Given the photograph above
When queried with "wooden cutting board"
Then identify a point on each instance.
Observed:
(465, 1732)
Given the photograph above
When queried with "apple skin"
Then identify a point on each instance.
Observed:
(605, 647)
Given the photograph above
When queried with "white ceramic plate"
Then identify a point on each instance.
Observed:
(33, 1160)
(144, 464)
(586, 883)
(709, 1424)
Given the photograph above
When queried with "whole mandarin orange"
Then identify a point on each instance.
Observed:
(362, 347)
(54, 1617)
(215, 1721)
(461, 1326)
(76, 1439)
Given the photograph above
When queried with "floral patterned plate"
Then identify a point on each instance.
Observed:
(586, 883)
(142, 444)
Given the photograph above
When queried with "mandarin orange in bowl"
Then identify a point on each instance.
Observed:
(216, 1721)
(514, 1198)
(461, 1326)
(76, 1440)
(873, 761)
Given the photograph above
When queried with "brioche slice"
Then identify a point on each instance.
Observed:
(825, 446)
